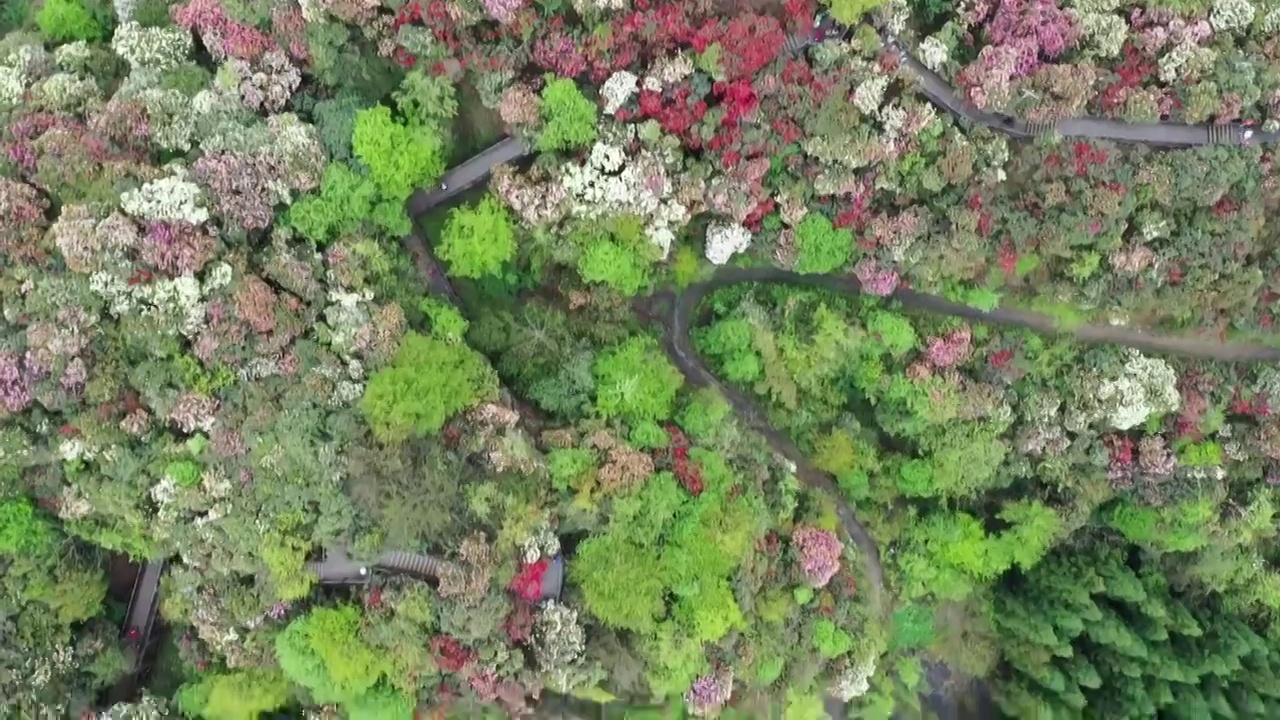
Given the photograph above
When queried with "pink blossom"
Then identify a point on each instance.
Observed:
(222, 36)
(15, 384)
(1034, 29)
(876, 280)
(819, 552)
(504, 11)
(953, 349)
(176, 248)
(709, 693)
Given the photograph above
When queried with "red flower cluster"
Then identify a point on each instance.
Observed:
(747, 43)
(686, 472)
(449, 654)
(738, 100)
(528, 582)
(677, 114)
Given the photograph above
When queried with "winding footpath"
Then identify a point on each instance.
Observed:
(674, 312)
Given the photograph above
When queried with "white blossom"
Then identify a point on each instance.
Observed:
(73, 57)
(12, 86)
(170, 199)
(617, 90)
(611, 184)
(855, 681)
(726, 240)
(124, 9)
(1106, 31)
(1231, 15)
(933, 53)
(870, 93)
(157, 48)
(1146, 386)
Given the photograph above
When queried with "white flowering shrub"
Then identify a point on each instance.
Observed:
(173, 199)
(1105, 32)
(157, 48)
(1231, 15)
(726, 240)
(67, 93)
(1146, 386)
(870, 93)
(855, 680)
(73, 57)
(933, 53)
(617, 90)
(611, 184)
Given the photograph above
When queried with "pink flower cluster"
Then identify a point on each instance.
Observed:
(875, 279)
(222, 36)
(953, 349)
(819, 552)
(1033, 29)
(709, 693)
(176, 248)
(504, 11)
(15, 383)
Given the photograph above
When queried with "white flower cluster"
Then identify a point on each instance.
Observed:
(68, 93)
(1106, 32)
(611, 184)
(1270, 22)
(617, 90)
(148, 707)
(726, 240)
(173, 198)
(172, 122)
(870, 93)
(558, 643)
(179, 299)
(23, 66)
(1231, 15)
(1146, 386)
(1185, 57)
(933, 53)
(543, 543)
(855, 681)
(73, 57)
(124, 9)
(345, 316)
(154, 48)
(668, 71)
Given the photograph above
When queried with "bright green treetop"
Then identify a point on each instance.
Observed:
(429, 381)
(477, 240)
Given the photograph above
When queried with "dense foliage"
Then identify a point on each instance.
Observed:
(227, 346)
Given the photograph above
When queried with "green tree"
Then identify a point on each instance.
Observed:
(235, 695)
(345, 201)
(428, 381)
(620, 265)
(569, 117)
(820, 246)
(636, 382)
(67, 20)
(426, 99)
(477, 240)
(399, 157)
(323, 652)
(1099, 627)
(22, 530)
(850, 12)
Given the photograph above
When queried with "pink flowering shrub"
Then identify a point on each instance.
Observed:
(1032, 29)
(176, 248)
(504, 11)
(819, 553)
(709, 693)
(875, 279)
(951, 350)
(222, 36)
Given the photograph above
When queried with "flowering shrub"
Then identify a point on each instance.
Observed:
(819, 554)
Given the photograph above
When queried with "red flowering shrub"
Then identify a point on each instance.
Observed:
(528, 582)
